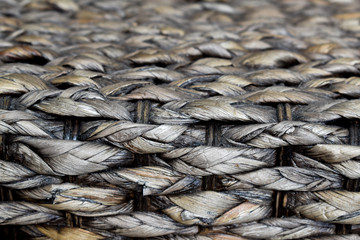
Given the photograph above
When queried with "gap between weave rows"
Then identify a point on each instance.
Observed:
(350, 184)
(71, 132)
(6, 194)
(279, 210)
(143, 108)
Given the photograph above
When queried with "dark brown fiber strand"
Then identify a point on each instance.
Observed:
(6, 194)
(142, 203)
(280, 200)
(71, 130)
(212, 131)
(351, 184)
(354, 129)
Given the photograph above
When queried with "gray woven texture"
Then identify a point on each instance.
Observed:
(186, 120)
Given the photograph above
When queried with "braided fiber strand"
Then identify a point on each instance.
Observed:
(179, 119)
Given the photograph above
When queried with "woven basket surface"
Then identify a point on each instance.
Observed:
(174, 119)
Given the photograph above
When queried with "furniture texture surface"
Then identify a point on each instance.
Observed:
(184, 120)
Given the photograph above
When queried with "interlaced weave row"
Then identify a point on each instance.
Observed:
(181, 120)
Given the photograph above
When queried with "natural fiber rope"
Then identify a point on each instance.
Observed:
(179, 119)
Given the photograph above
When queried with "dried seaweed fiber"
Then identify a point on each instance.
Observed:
(180, 120)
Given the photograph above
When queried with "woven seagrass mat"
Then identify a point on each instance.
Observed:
(186, 120)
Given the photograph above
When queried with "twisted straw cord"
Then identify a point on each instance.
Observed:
(62, 157)
(342, 158)
(75, 101)
(271, 228)
(283, 228)
(148, 138)
(82, 201)
(14, 83)
(327, 111)
(285, 179)
(141, 224)
(285, 133)
(218, 108)
(162, 181)
(217, 208)
(336, 237)
(300, 234)
(23, 213)
(338, 206)
(153, 180)
(16, 176)
(24, 123)
(42, 231)
(206, 160)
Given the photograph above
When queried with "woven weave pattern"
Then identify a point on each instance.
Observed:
(183, 120)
